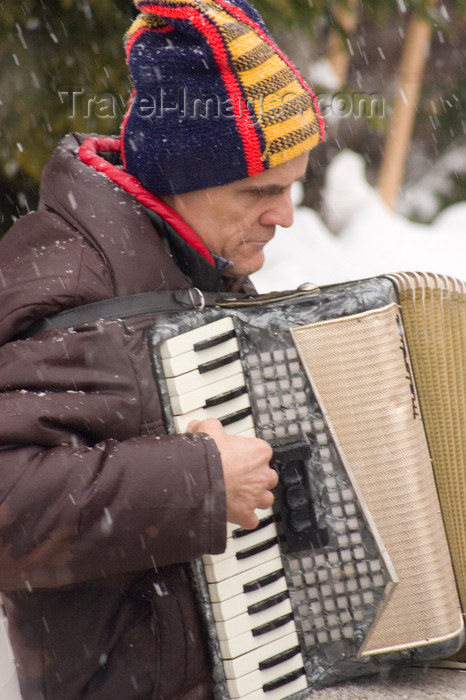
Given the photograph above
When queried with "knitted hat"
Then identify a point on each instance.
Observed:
(215, 99)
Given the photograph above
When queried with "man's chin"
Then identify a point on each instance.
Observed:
(246, 268)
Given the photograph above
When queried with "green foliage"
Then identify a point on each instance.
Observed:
(277, 12)
(306, 13)
(48, 51)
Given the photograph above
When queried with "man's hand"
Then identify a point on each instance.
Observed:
(249, 480)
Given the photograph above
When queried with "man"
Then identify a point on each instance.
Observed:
(100, 509)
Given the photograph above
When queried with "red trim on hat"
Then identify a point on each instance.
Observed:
(243, 17)
(123, 126)
(248, 134)
(89, 155)
(132, 39)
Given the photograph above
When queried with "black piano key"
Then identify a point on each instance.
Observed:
(218, 362)
(264, 522)
(212, 342)
(279, 658)
(272, 625)
(261, 547)
(227, 396)
(283, 680)
(235, 417)
(267, 603)
(263, 581)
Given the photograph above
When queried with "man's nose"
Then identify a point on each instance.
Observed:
(281, 213)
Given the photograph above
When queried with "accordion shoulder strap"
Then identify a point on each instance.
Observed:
(167, 301)
(126, 306)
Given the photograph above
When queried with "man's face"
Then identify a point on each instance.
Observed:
(237, 220)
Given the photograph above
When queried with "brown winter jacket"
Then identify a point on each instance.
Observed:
(99, 509)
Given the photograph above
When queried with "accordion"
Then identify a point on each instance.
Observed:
(360, 389)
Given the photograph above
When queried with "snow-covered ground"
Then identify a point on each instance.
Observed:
(361, 238)
(9, 688)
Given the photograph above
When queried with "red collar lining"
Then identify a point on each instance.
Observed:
(88, 154)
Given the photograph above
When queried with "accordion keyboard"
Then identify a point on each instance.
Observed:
(292, 585)
(205, 378)
(247, 584)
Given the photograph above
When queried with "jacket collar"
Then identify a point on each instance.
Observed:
(90, 154)
(190, 254)
(203, 275)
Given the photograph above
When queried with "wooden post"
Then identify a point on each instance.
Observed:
(338, 53)
(401, 124)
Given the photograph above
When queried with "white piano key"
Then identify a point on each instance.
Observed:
(189, 401)
(222, 411)
(262, 575)
(180, 364)
(248, 663)
(239, 687)
(191, 381)
(231, 648)
(184, 341)
(239, 604)
(244, 427)
(245, 623)
(230, 567)
(254, 538)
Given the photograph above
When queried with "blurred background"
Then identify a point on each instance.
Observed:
(390, 76)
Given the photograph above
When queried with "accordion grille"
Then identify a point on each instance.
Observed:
(359, 367)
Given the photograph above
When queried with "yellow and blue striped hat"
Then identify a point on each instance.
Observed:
(215, 100)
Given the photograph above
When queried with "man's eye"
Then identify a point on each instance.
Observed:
(264, 192)
(253, 194)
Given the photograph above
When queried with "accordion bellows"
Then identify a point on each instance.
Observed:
(434, 313)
